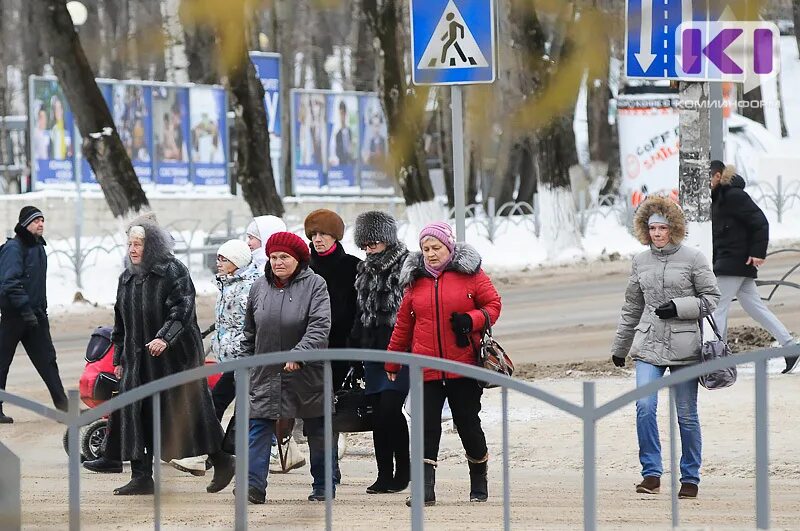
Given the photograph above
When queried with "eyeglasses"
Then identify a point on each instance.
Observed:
(370, 245)
(222, 260)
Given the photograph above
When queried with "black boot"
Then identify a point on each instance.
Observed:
(103, 465)
(402, 472)
(137, 486)
(5, 419)
(384, 461)
(224, 470)
(478, 482)
(430, 485)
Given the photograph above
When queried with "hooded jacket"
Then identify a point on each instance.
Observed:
(739, 226)
(23, 274)
(294, 317)
(673, 273)
(267, 226)
(230, 311)
(423, 320)
(156, 299)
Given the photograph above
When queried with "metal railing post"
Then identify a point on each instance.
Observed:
(589, 458)
(328, 446)
(779, 199)
(74, 444)
(762, 447)
(156, 451)
(242, 419)
(506, 483)
(673, 456)
(417, 445)
(229, 222)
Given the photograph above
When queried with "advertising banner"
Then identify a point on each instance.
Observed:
(343, 133)
(268, 70)
(132, 109)
(87, 175)
(374, 148)
(171, 134)
(209, 137)
(310, 142)
(52, 133)
(648, 143)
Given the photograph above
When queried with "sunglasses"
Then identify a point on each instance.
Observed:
(370, 245)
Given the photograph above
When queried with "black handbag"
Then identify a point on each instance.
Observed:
(491, 355)
(352, 410)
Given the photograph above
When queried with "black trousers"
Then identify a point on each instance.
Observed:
(390, 435)
(464, 396)
(223, 393)
(39, 346)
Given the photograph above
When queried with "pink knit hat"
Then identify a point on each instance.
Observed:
(441, 231)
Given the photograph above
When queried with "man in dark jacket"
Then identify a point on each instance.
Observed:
(741, 236)
(23, 305)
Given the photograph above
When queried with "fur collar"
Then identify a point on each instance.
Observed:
(27, 237)
(375, 263)
(465, 260)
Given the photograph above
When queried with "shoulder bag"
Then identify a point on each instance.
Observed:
(491, 355)
(712, 350)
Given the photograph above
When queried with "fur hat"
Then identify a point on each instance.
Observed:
(375, 226)
(291, 244)
(441, 231)
(237, 252)
(656, 204)
(144, 218)
(28, 214)
(326, 221)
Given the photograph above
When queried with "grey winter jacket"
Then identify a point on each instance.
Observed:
(295, 317)
(674, 273)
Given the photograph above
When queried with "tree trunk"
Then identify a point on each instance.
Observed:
(364, 74)
(283, 16)
(102, 147)
(755, 109)
(781, 107)
(796, 17)
(175, 61)
(527, 173)
(444, 123)
(404, 107)
(200, 43)
(34, 58)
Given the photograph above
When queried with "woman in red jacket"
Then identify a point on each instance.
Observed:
(442, 316)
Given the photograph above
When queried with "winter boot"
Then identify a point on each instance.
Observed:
(401, 473)
(5, 419)
(224, 470)
(478, 481)
(138, 486)
(195, 466)
(103, 465)
(429, 483)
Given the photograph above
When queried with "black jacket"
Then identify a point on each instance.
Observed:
(23, 274)
(740, 229)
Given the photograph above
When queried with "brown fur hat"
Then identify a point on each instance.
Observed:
(324, 220)
(656, 204)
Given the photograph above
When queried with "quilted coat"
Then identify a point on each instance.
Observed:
(423, 321)
(230, 311)
(673, 273)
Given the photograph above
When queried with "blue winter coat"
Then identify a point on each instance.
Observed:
(23, 274)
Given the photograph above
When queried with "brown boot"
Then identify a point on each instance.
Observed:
(649, 485)
(688, 490)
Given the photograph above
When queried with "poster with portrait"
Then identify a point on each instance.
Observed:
(374, 148)
(131, 108)
(208, 136)
(52, 133)
(86, 172)
(171, 134)
(343, 133)
(268, 70)
(310, 152)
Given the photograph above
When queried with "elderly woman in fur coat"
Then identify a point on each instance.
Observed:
(156, 335)
(671, 287)
(378, 294)
(447, 301)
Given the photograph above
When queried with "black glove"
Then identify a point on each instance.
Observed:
(30, 320)
(619, 362)
(667, 311)
(462, 326)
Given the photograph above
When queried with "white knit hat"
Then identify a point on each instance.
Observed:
(236, 251)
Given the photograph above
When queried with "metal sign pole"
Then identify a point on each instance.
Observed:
(458, 161)
(717, 122)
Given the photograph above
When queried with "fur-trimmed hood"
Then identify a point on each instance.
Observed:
(731, 178)
(656, 204)
(466, 259)
(158, 246)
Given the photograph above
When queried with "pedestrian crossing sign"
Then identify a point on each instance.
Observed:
(452, 41)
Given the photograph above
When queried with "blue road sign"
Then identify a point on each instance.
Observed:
(651, 50)
(452, 41)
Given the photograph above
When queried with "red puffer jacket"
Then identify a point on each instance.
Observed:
(423, 320)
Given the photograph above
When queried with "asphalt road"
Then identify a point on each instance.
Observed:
(549, 316)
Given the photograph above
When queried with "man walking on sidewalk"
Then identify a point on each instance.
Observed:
(741, 235)
(23, 305)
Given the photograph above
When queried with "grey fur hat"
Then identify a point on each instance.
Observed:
(375, 226)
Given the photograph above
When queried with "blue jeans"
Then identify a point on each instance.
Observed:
(262, 433)
(647, 425)
(314, 430)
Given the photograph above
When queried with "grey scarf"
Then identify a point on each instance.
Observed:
(378, 288)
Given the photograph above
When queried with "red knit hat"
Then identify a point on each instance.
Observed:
(289, 243)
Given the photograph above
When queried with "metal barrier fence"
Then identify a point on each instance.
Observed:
(589, 413)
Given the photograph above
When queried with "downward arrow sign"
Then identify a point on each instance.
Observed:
(645, 55)
(715, 51)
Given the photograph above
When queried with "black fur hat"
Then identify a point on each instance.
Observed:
(375, 226)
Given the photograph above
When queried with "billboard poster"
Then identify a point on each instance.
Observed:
(52, 133)
(374, 148)
(87, 174)
(132, 109)
(343, 133)
(171, 133)
(268, 70)
(648, 142)
(208, 136)
(310, 142)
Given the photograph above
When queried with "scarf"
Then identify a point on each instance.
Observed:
(378, 289)
(438, 270)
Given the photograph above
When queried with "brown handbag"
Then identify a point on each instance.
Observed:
(491, 355)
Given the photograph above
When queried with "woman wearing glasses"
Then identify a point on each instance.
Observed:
(288, 310)
(378, 296)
